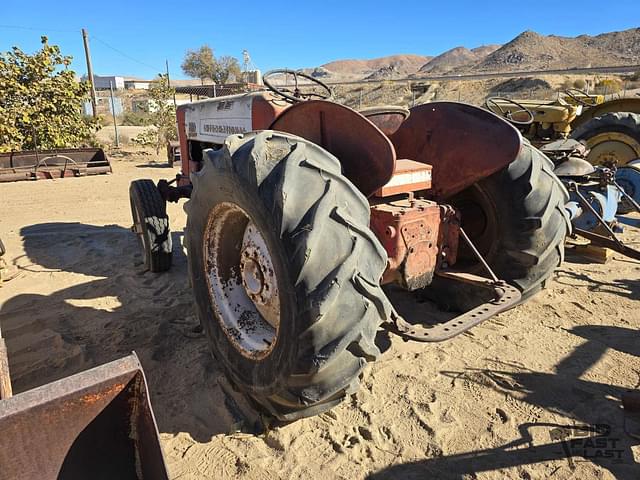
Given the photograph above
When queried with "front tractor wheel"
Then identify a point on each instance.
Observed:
(151, 224)
(285, 272)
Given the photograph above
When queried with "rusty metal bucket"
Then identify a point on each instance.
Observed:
(66, 162)
(96, 424)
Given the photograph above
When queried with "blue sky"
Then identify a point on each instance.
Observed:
(135, 37)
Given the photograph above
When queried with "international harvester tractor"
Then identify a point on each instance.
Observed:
(303, 216)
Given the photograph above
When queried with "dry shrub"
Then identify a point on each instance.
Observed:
(609, 85)
(580, 84)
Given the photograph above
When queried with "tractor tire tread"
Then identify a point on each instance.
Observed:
(328, 226)
(146, 198)
(538, 222)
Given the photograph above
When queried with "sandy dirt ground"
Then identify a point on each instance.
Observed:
(510, 399)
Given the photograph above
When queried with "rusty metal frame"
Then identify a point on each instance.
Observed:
(49, 164)
(504, 295)
(96, 424)
(5, 378)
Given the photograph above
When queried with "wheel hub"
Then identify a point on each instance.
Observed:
(252, 277)
(612, 149)
(242, 281)
(258, 280)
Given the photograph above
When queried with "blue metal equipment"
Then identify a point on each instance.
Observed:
(596, 194)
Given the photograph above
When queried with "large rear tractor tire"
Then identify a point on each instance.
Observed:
(516, 219)
(151, 223)
(613, 138)
(285, 272)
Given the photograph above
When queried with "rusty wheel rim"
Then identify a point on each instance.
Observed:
(612, 149)
(242, 283)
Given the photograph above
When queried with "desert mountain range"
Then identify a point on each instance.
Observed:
(527, 51)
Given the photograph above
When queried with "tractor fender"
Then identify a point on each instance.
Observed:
(631, 105)
(463, 143)
(365, 153)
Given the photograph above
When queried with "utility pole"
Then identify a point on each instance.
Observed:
(175, 104)
(85, 40)
(113, 112)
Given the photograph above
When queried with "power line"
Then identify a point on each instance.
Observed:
(40, 29)
(93, 37)
(155, 69)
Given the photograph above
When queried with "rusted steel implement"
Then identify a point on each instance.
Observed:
(49, 164)
(96, 424)
(5, 379)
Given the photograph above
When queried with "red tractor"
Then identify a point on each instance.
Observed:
(304, 215)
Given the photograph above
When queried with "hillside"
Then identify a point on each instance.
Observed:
(401, 64)
(532, 51)
(527, 51)
(456, 57)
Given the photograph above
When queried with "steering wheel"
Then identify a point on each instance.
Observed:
(296, 95)
(494, 107)
(573, 94)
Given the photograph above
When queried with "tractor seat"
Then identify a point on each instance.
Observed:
(387, 118)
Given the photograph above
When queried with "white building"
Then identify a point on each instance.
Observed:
(136, 84)
(148, 105)
(105, 82)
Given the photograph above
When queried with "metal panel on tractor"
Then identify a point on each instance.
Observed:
(207, 123)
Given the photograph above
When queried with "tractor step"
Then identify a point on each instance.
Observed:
(505, 297)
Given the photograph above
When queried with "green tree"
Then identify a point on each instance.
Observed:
(41, 101)
(200, 63)
(203, 64)
(162, 113)
(228, 69)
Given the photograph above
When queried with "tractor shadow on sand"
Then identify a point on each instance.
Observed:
(624, 287)
(153, 164)
(598, 431)
(103, 306)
